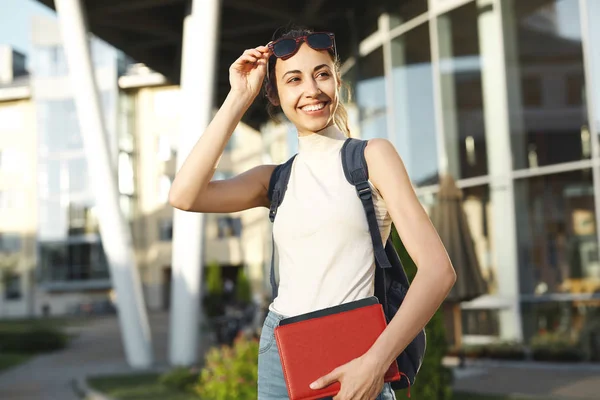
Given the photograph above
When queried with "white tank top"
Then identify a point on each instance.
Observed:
(321, 234)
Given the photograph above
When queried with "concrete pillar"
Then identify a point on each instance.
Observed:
(114, 229)
(499, 87)
(198, 86)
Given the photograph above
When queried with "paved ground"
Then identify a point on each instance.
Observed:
(542, 380)
(98, 350)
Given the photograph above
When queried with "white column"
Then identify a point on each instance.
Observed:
(450, 162)
(114, 230)
(198, 86)
(498, 88)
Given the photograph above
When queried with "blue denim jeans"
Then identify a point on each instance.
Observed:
(271, 384)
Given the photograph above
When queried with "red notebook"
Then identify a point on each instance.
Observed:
(312, 345)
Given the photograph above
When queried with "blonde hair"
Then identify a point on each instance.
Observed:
(340, 117)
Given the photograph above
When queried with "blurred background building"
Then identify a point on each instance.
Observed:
(503, 95)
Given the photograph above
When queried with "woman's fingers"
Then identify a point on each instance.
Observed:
(249, 58)
(253, 56)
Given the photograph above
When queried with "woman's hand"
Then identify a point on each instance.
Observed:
(359, 380)
(246, 74)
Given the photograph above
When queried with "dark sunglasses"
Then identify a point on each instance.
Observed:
(287, 47)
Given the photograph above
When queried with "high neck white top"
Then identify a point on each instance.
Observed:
(325, 253)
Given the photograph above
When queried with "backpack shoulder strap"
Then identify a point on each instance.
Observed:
(357, 173)
(277, 187)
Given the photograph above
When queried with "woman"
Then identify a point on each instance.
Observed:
(325, 251)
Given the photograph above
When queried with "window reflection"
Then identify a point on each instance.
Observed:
(567, 329)
(478, 209)
(414, 125)
(78, 261)
(546, 74)
(461, 87)
(371, 96)
(481, 322)
(556, 231)
(593, 12)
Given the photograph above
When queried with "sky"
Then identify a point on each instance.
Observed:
(15, 22)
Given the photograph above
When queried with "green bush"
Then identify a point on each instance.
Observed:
(499, 351)
(230, 372)
(180, 378)
(555, 347)
(214, 281)
(31, 340)
(213, 301)
(243, 291)
(434, 381)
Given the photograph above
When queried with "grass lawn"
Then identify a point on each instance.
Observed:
(147, 387)
(13, 325)
(8, 360)
(9, 357)
(136, 387)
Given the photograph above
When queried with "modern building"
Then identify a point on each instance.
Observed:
(232, 241)
(51, 253)
(18, 189)
(504, 95)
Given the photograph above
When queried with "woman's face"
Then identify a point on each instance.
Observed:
(308, 89)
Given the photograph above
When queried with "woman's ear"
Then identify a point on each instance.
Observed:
(272, 95)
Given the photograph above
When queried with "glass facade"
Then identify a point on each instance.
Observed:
(505, 97)
(69, 244)
(550, 123)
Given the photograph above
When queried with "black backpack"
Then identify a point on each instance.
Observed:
(391, 281)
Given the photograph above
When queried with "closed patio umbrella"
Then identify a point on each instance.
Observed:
(450, 221)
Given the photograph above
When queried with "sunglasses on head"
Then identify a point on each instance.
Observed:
(286, 47)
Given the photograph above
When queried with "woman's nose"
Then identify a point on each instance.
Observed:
(312, 88)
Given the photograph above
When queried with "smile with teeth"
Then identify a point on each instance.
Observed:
(313, 107)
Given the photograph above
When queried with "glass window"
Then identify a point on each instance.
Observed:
(10, 242)
(461, 91)
(415, 131)
(12, 286)
(165, 229)
(593, 12)
(556, 231)
(403, 11)
(49, 61)
(73, 261)
(229, 227)
(58, 125)
(78, 175)
(81, 219)
(53, 222)
(567, 328)
(481, 322)
(126, 178)
(478, 209)
(371, 96)
(543, 43)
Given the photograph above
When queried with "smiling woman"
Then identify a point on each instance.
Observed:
(321, 235)
(318, 65)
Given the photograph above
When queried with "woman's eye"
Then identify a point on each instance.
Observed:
(293, 79)
(324, 73)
